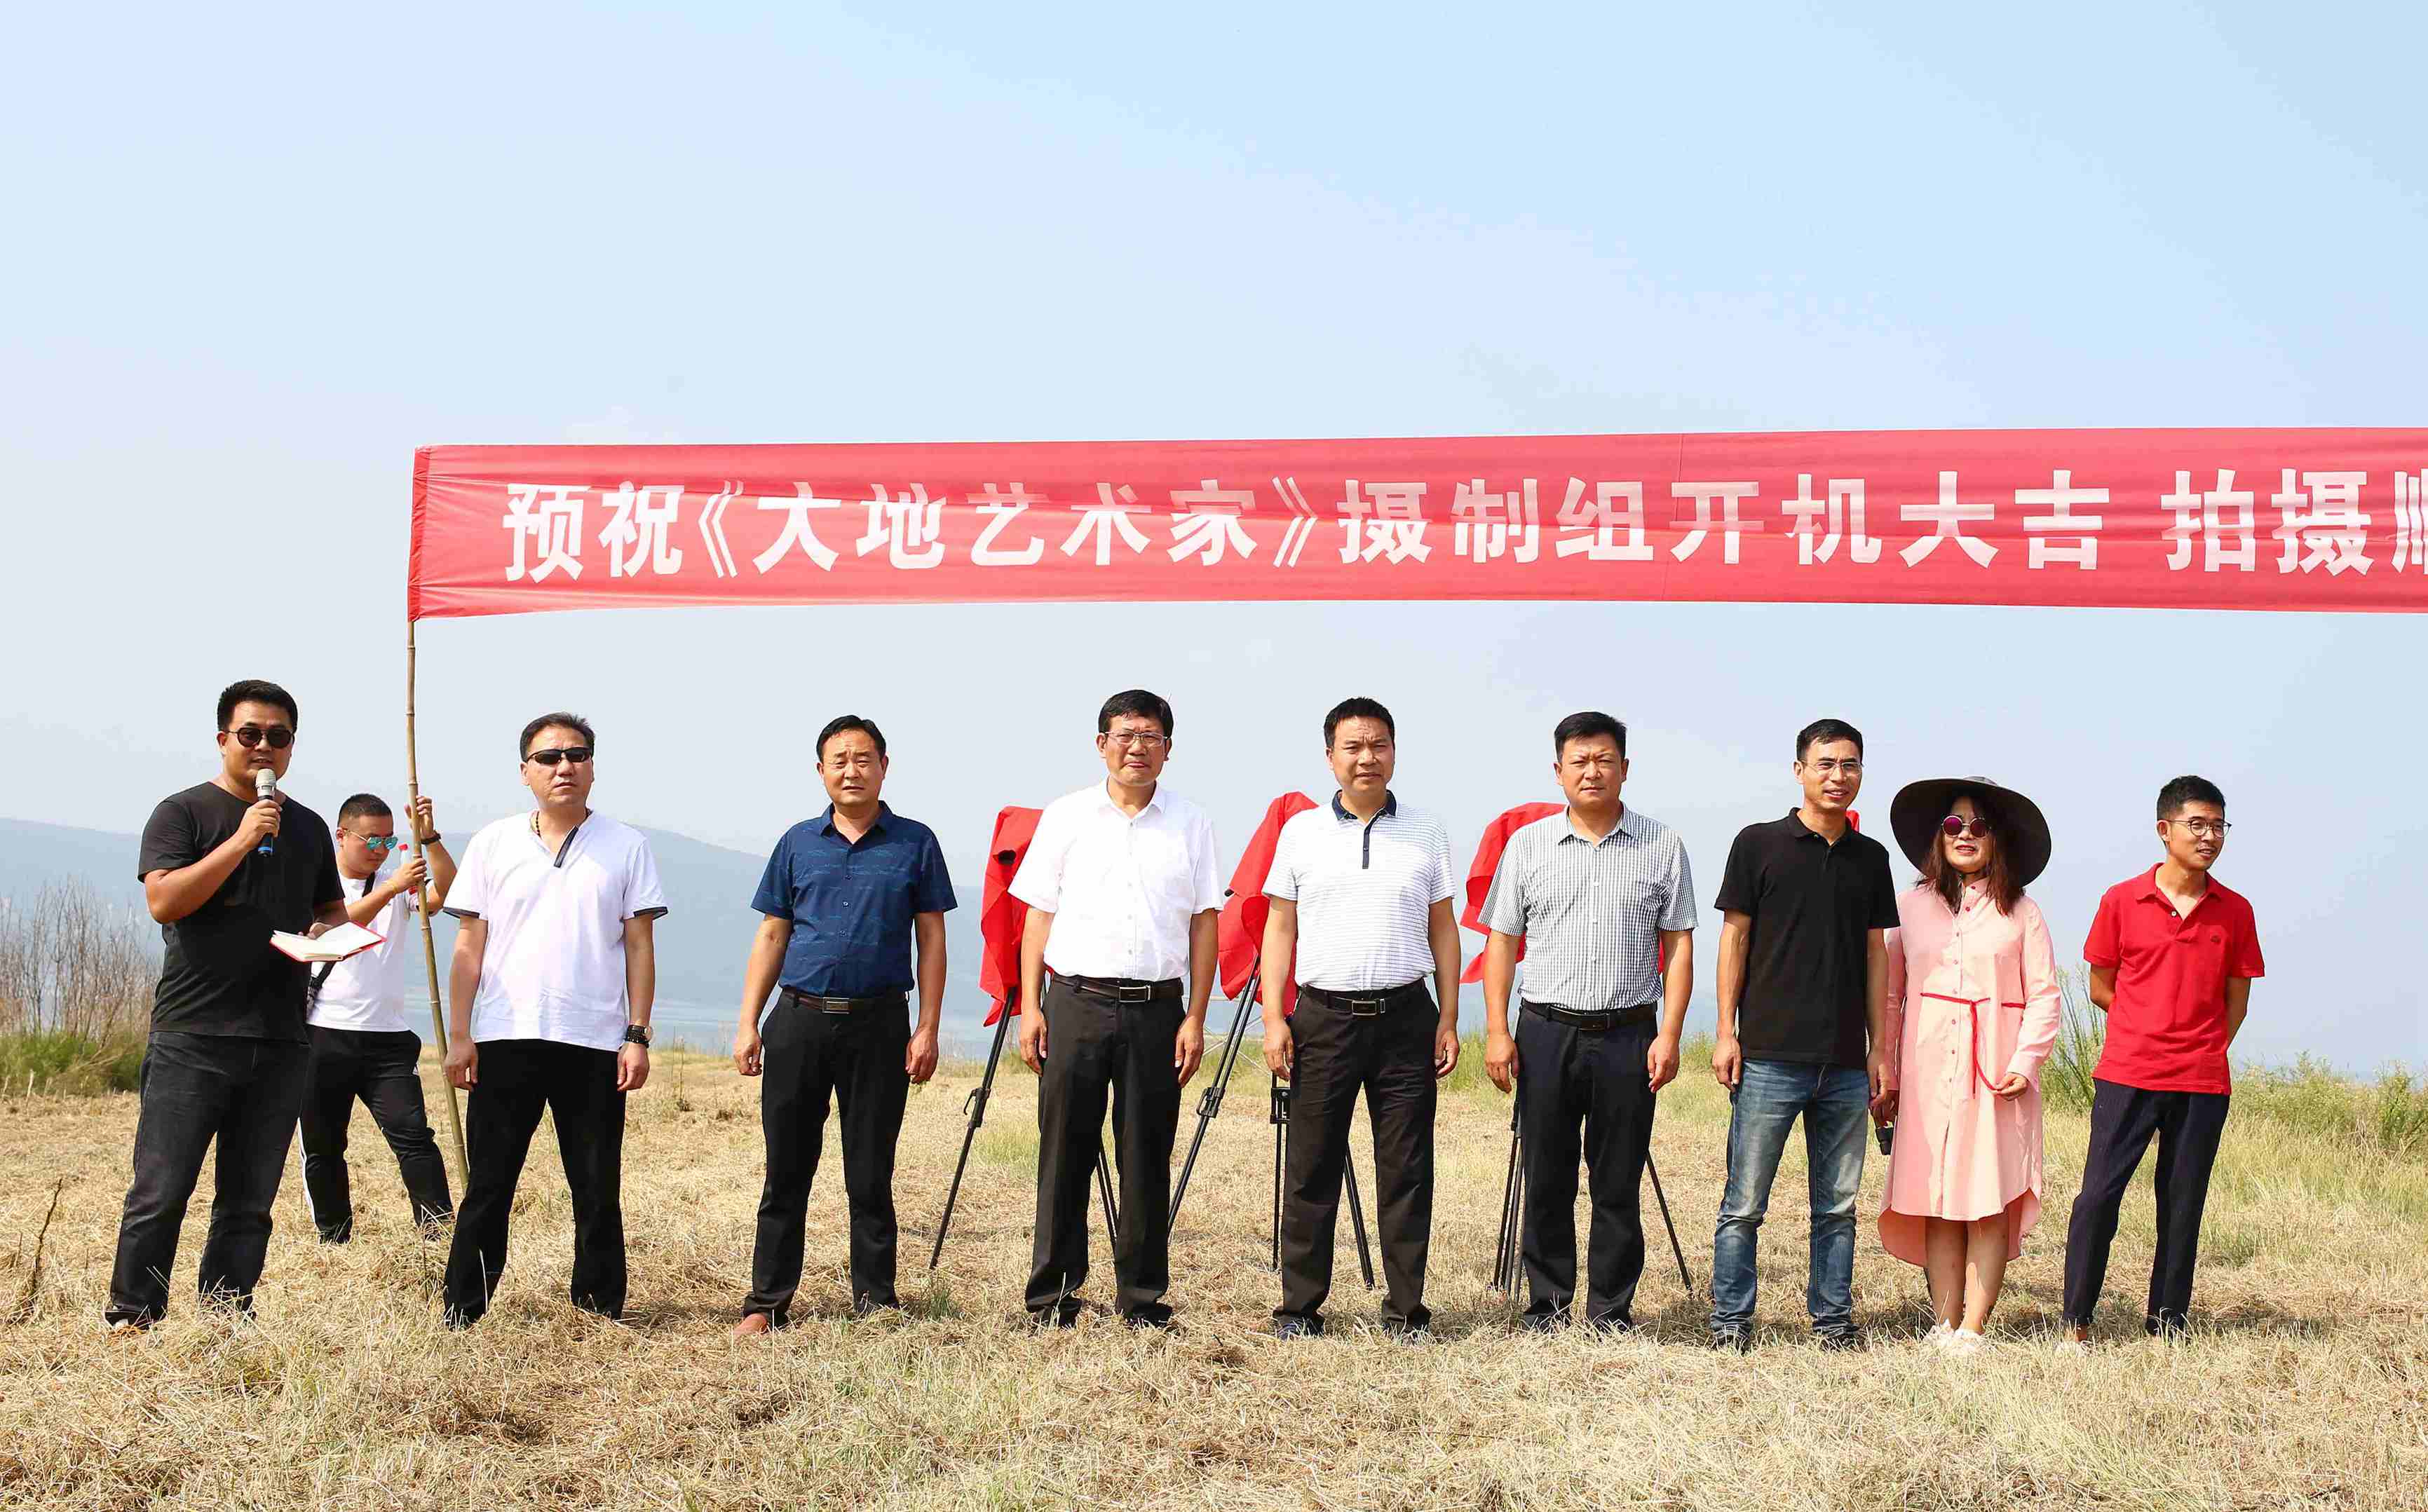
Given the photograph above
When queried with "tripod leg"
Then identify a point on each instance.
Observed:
(1357, 1218)
(1675, 1249)
(1105, 1191)
(1209, 1102)
(1280, 1118)
(1504, 1262)
(969, 1136)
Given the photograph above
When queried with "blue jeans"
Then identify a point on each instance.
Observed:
(1769, 1095)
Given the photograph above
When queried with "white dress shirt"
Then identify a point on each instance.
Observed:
(1365, 890)
(1122, 888)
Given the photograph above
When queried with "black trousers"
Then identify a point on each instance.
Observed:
(575, 1085)
(1390, 1058)
(1594, 1080)
(382, 1068)
(856, 1059)
(198, 1089)
(1095, 1047)
(2124, 1121)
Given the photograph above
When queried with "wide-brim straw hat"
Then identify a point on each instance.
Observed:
(2021, 830)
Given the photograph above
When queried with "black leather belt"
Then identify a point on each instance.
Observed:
(1124, 990)
(1640, 1017)
(1366, 1004)
(841, 1005)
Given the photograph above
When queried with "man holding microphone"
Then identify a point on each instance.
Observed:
(225, 865)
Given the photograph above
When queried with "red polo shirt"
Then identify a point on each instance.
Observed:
(2166, 1026)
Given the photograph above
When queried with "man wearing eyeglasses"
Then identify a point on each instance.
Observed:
(844, 898)
(1123, 897)
(364, 1043)
(223, 869)
(1806, 904)
(2172, 953)
(547, 1009)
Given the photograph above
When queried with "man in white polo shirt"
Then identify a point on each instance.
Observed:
(1361, 890)
(549, 1005)
(363, 1041)
(1122, 900)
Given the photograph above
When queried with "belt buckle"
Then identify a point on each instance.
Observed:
(1135, 992)
(838, 1006)
(1366, 1007)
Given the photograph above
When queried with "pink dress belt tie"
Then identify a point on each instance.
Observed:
(1971, 1007)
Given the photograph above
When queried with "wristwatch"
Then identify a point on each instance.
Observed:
(637, 1035)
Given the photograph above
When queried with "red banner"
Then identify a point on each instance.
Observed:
(2285, 519)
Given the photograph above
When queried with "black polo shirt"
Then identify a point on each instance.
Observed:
(1813, 904)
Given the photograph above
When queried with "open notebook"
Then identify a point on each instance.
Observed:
(335, 945)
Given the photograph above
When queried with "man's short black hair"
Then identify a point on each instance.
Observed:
(851, 721)
(364, 805)
(1137, 704)
(1358, 708)
(2188, 790)
(1585, 726)
(255, 691)
(570, 721)
(1825, 731)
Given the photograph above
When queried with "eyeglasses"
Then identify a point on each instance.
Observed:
(1955, 827)
(1138, 740)
(249, 736)
(575, 754)
(378, 842)
(2206, 829)
(1852, 766)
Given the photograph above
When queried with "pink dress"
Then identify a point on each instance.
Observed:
(1976, 994)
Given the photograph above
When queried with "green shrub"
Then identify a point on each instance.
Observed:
(2081, 1031)
(53, 1060)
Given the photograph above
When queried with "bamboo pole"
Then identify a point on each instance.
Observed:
(429, 942)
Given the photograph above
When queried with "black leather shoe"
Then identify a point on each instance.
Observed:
(1294, 1327)
(1841, 1339)
(1740, 1339)
(1154, 1315)
(1543, 1323)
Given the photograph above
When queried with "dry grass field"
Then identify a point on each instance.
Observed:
(2304, 1385)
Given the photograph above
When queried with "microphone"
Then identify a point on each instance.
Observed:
(265, 785)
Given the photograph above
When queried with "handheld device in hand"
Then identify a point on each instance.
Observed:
(1884, 1132)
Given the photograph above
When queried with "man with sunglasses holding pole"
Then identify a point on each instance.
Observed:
(364, 1045)
(548, 1008)
(222, 866)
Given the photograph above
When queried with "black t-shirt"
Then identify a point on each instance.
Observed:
(219, 973)
(1813, 904)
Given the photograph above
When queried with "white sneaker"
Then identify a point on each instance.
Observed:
(2072, 1346)
(1938, 1336)
(1965, 1341)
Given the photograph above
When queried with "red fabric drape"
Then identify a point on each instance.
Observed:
(1245, 906)
(1001, 916)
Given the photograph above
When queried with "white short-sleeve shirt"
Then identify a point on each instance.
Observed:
(553, 964)
(1365, 890)
(366, 991)
(1122, 888)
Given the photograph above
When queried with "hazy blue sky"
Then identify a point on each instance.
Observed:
(256, 258)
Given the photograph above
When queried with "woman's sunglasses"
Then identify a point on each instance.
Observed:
(1954, 827)
(249, 736)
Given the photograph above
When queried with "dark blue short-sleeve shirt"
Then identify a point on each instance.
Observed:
(851, 904)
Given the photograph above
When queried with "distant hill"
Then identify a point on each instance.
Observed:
(700, 942)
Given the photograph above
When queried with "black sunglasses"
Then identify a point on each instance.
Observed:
(249, 736)
(550, 757)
